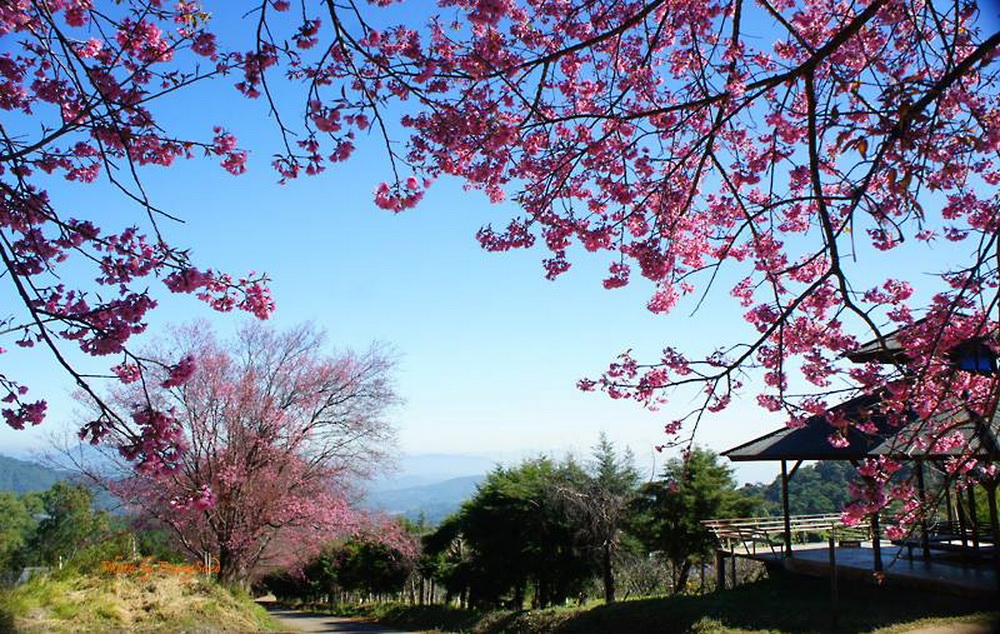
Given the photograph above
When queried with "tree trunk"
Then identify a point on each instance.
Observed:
(683, 571)
(609, 575)
(519, 596)
(231, 571)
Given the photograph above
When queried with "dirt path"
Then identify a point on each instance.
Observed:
(957, 628)
(297, 621)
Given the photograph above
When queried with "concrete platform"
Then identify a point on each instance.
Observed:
(944, 572)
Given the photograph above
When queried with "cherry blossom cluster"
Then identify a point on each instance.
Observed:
(79, 82)
(669, 137)
(274, 435)
(675, 139)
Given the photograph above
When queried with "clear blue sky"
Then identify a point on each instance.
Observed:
(489, 350)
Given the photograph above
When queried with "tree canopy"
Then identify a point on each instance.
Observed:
(275, 434)
(514, 538)
(667, 513)
(781, 148)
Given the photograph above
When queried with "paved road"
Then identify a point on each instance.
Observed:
(297, 621)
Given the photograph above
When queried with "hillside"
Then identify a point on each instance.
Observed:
(22, 476)
(158, 602)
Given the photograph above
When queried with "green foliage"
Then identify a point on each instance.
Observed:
(601, 502)
(541, 530)
(667, 513)
(513, 537)
(611, 473)
(17, 522)
(782, 604)
(287, 586)
(60, 526)
(819, 488)
(69, 525)
(361, 564)
(370, 566)
(982, 496)
(151, 540)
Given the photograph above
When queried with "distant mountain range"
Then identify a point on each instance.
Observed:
(432, 486)
(414, 470)
(21, 476)
(433, 502)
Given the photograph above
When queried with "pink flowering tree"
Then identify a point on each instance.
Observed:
(273, 437)
(79, 85)
(783, 149)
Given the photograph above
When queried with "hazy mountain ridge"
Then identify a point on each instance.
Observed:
(432, 486)
(22, 476)
(432, 501)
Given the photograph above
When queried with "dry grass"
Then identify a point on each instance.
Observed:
(124, 603)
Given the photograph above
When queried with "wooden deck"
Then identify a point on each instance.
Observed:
(943, 572)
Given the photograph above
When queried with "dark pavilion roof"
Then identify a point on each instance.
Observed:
(888, 350)
(811, 440)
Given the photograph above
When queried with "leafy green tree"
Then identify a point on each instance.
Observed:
(69, 524)
(447, 559)
(599, 503)
(319, 576)
(819, 488)
(17, 522)
(370, 566)
(360, 564)
(286, 586)
(150, 539)
(514, 535)
(667, 513)
(613, 472)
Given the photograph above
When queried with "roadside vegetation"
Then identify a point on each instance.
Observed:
(543, 546)
(72, 601)
(582, 546)
(94, 571)
(782, 604)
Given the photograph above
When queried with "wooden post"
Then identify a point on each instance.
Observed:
(922, 492)
(991, 491)
(720, 570)
(734, 568)
(973, 520)
(962, 524)
(947, 501)
(784, 508)
(834, 594)
(876, 542)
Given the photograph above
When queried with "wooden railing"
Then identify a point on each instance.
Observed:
(748, 533)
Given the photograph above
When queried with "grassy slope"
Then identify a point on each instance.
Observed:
(104, 603)
(792, 604)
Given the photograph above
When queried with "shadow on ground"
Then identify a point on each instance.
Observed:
(783, 603)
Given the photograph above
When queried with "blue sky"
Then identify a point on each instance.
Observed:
(489, 350)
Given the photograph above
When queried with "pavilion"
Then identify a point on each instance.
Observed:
(810, 441)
